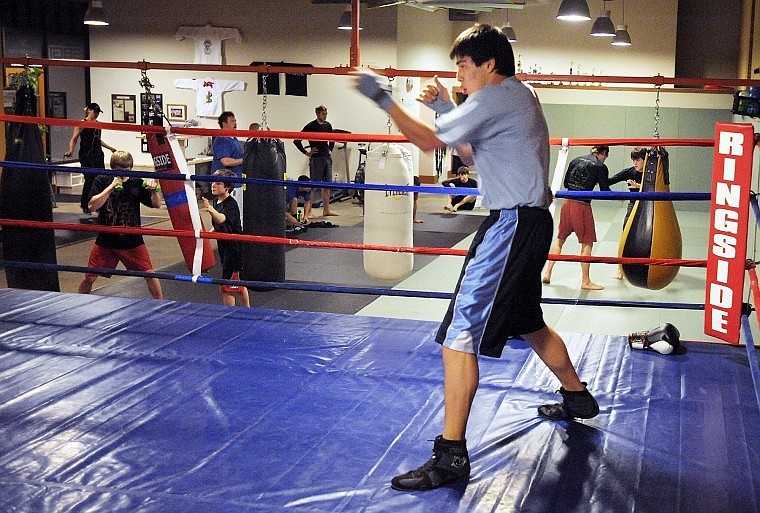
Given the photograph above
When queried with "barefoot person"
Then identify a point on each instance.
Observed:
(461, 201)
(583, 174)
(320, 157)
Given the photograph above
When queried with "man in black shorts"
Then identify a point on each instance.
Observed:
(320, 157)
(501, 129)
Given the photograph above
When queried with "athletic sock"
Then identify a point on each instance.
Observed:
(581, 405)
(450, 462)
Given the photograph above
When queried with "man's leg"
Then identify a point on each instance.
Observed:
(586, 283)
(326, 203)
(414, 209)
(450, 461)
(467, 203)
(85, 286)
(326, 171)
(154, 287)
(577, 401)
(556, 249)
(460, 382)
(307, 214)
(244, 298)
(550, 347)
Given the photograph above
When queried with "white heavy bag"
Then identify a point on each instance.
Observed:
(388, 214)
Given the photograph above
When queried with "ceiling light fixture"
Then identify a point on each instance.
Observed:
(95, 14)
(603, 26)
(508, 30)
(622, 37)
(345, 21)
(573, 10)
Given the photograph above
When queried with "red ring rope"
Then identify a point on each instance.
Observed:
(334, 245)
(322, 136)
(657, 80)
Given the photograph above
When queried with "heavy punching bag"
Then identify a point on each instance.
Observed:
(184, 214)
(263, 210)
(388, 214)
(25, 194)
(652, 229)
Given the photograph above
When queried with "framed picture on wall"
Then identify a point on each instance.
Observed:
(56, 107)
(176, 112)
(124, 108)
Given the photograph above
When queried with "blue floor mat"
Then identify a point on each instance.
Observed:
(134, 405)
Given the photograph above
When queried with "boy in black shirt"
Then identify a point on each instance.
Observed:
(117, 200)
(225, 218)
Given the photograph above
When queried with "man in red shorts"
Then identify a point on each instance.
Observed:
(117, 200)
(583, 174)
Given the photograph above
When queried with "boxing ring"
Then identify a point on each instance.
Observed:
(123, 404)
(117, 404)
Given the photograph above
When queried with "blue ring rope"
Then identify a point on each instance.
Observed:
(313, 287)
(607, 195)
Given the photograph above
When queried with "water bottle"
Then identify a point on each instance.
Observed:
(299, 215)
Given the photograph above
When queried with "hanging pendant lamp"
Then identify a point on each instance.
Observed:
(95, 14)
(573, 10)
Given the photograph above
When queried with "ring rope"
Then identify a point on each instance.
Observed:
(608, 195)
(324, 136)
(388, 72)
(333, 245)
(328, 288)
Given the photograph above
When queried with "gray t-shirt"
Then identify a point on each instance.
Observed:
(506, 128)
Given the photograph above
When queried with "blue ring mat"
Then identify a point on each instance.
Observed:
(136, 405)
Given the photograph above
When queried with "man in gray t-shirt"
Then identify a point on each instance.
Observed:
(501, 129)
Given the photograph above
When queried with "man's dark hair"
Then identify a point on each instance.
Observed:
(463, 170)
(483, 42)
(638, 153)
(224, 116)
(601, 149)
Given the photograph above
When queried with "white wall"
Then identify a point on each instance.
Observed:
(273, 30)
(401, 36)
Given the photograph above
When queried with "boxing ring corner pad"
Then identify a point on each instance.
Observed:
(728, 232)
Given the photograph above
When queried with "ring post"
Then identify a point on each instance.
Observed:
(727, 245)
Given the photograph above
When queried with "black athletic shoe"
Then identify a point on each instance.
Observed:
(580, 405)
(450, 462)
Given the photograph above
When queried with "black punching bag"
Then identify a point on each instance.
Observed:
(652, 229)
(263, 210)
(25, 194)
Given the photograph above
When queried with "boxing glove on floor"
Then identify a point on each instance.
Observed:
(663, 339)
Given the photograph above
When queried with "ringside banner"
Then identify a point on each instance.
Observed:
(729, 215)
